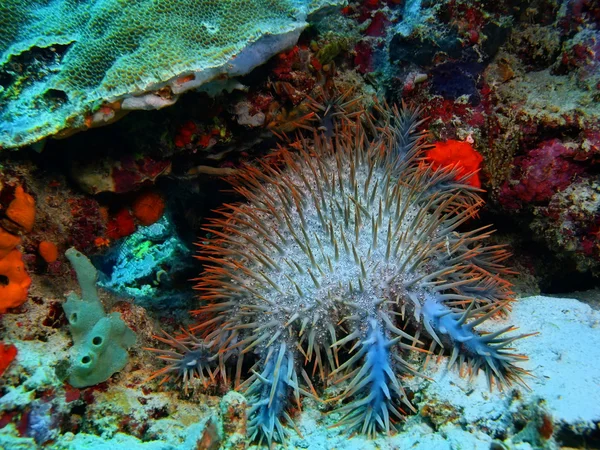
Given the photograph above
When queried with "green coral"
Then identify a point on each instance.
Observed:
(143, 249)
(60, 60)
(100, 342)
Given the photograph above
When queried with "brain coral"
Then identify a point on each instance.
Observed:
(343, 259)
(71, 64)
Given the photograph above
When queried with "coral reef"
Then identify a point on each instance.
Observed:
(546, 84)
(549, 169)
(345, 270)
(349, 231)
(508, 78)
(450, 408)
(124, 174)
(570, 222)
(72, 65)
(100, 342)
(556, 184)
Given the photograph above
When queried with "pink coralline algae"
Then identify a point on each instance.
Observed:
(375, 17)
(540, 174)
(580, 12)
(131, 173)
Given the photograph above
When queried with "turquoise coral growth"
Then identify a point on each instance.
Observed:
(144, 265)
(343, 260)
(61, 60)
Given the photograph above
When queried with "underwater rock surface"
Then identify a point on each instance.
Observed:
(562, 406)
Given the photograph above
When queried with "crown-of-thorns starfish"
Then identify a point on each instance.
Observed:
(343, 258)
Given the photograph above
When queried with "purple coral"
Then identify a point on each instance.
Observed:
(555, 183)
(545, 171)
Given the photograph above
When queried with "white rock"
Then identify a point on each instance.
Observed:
(564, 359)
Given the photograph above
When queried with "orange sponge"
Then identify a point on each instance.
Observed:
(14, 281)
(458, 154)
(8, 242)
(48, 251)
(148, 207)
(22, 209)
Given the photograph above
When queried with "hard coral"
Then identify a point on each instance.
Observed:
(96, 59)
(146, 266)
(344, 259)
(14, 281)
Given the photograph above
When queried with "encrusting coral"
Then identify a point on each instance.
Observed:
(343, 259)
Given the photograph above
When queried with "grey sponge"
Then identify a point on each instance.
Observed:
(100, 342)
